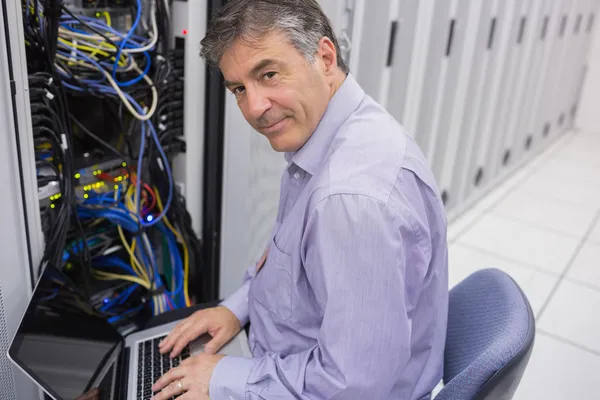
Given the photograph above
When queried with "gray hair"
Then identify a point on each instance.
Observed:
(303, 21)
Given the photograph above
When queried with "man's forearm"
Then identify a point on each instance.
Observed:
(238, 303)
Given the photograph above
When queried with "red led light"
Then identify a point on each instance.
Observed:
(184, 32)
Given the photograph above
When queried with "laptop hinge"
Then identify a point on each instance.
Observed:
(122, 383)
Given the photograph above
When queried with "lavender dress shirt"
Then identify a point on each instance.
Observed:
(352, 301)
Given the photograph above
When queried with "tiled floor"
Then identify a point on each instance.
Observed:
(542, 227)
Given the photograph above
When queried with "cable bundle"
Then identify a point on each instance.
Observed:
(115, 226)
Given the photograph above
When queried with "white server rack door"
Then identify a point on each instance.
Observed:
(417, 76)
(369, 47)
(436, 69)
(547, 124)
(529, 62)
(508, 92)
(523, 140)
(478, 89)
(507, 21)
(539, 127)
(582, 33)
(392, 87)
(450, 130)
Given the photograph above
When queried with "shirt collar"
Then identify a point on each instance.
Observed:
(343, 103)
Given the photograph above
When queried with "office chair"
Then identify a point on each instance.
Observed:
(491, 330)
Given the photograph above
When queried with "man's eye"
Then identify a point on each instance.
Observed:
(238, 90)
(269, 75)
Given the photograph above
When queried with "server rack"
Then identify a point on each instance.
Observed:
(529, 61)
(509, 89)
(451, 133)
(500, 44)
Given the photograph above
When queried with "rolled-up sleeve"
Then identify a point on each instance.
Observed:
(356, 250)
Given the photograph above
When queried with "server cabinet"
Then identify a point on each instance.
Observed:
(531, 50)
(547, 122)
(521, 145)
(478, 87)
(506, 22)
(590, 25)
(509, 89)
(436, 74)
(450, 130)
(21, 242)
(582, 32)
(400, 51)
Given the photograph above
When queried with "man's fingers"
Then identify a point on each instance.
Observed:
(167, 343)
(187, 337)
(216, 342)
(173, 375)
(168, 392)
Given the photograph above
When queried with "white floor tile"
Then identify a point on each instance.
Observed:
(463, 261)
(546, 212)
(595, 234)
(523, 242)
(586, 266)
(460, 224)
(559, 371)
(554, 187)
(562, 168)
(572, 314)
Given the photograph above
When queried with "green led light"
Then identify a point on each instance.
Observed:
(52, 206)
(116, 187)
(124, 164)
(77, 175)
(98, 14)
(85, 196)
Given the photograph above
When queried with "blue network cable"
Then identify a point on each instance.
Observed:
(124, 42)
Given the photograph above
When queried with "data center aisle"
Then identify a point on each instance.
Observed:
(542, 227)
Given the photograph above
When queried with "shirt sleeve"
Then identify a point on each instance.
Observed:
(356, 250)
(237, 302)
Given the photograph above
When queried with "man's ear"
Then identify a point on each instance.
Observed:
(327, 54)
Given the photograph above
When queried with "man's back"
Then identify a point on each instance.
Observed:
(333, 280)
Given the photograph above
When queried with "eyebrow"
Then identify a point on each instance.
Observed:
(255, 70)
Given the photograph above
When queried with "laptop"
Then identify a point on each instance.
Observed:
(68, 349)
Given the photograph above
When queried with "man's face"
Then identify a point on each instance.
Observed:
(280, 93)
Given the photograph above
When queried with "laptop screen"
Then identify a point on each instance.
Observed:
(62, 342)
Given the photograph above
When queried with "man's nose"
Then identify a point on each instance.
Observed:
(258, 104)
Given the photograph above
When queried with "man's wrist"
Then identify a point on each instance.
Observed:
(230, 377)
(237, 303)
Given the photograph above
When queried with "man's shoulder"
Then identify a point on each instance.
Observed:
(368, 155)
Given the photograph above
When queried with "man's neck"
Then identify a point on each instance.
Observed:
(339, 79)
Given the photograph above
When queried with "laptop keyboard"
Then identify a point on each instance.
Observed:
(152, 365)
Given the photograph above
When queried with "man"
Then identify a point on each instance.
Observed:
(351, 302)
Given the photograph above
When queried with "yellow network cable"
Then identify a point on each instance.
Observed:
(137, 267)
(135, 264)
(93, 50)
(107, 16)
(186, 255)
(112, 276)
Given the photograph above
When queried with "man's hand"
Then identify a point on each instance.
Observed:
(192, 378)
(219, 322)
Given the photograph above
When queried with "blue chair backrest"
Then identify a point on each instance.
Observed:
(491, 330)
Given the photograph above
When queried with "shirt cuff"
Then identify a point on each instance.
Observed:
(228, 381)
(238, 303)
